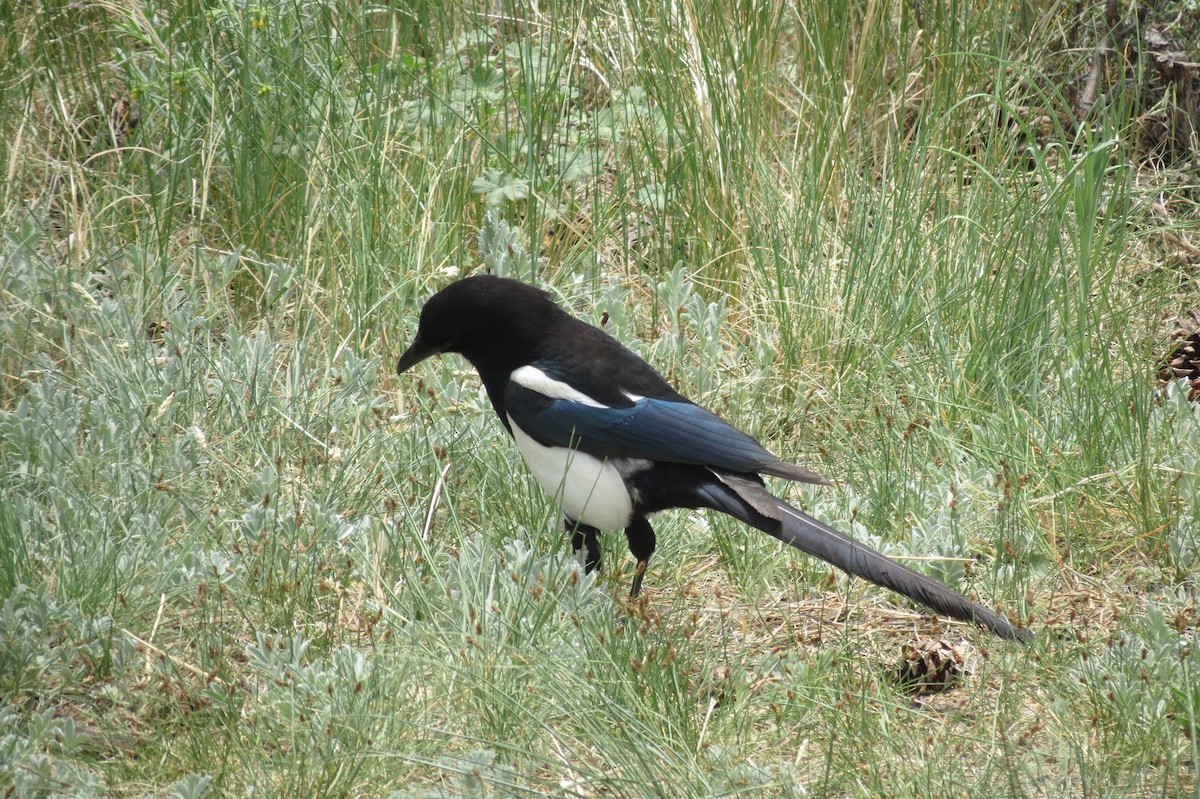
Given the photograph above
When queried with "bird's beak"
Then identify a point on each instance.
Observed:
(418, 351)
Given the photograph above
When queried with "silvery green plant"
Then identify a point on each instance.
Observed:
(1180, 420)
(192, 786)
(503, 248)
(505, 595)
(1145, 678)
(309, 709)
(479, 774)
(40, 755)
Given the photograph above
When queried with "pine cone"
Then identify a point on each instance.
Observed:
(1183, 362)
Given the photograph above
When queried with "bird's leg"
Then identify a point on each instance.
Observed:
(638, 573)
(584, 535)
(642, 542)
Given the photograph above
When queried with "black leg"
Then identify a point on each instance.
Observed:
(584, 535)
(642, 542)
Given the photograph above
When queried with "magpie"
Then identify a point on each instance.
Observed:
(606, 436)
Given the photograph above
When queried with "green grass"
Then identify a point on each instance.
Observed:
(238, 555)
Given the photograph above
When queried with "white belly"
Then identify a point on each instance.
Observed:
(589, 490)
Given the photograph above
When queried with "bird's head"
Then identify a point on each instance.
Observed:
(480, 316)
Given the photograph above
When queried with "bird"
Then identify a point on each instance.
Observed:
(613, 442)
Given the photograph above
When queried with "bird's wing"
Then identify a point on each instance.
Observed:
(650, 428)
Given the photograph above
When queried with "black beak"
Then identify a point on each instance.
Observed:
(418, 351)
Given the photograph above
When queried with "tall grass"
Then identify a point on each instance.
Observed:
(238, 555)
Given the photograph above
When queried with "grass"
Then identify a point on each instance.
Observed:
(239, 555)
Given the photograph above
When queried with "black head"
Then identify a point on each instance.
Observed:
(482, 317)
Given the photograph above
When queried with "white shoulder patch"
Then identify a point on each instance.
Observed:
(535, 379)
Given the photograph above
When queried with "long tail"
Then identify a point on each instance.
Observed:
(753, 504)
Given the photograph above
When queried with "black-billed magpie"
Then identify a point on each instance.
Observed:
(613, 443)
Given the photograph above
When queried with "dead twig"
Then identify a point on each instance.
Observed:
(433, 503)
